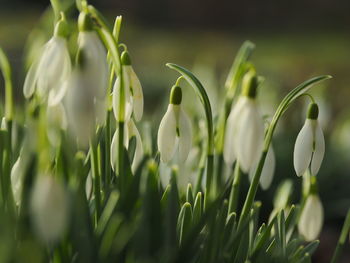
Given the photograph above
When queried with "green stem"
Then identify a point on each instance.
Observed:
(234, 195)
(120, 167)
(108, 175)
(284, 105)
(97, 179)
(342, 239)
(110, 40)
(7, 74)
(219, 171)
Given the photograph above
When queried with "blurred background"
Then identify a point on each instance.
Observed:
(295, 40)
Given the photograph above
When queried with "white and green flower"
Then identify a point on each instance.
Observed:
(309, 146)
(244, 128)
(130, 131)
(49, 208)
(132, 91)
(86, 96)
(47, 74)
(311, 218)
(174, 130)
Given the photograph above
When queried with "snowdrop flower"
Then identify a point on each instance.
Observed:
(245, 128)
(130, 131)
(309, 146)
(47, 75)
(132, 91)
(311, 218)
(174, 129)
(49, 208)
(95, 64)
(86, 95)
(267, 171)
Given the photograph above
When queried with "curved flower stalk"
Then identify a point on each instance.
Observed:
(284, 105)
(267, 171)
(311, 218)
(174, 129)
(132, 90)
(245, 128)
(87, 85)
(47, 74)
(309, 146)
(130, 131)
(49, 208)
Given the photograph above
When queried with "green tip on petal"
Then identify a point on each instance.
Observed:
(62, 28)
(312, 112)
(250, 84)
(125, 58)
(85, 22)
(175, 95)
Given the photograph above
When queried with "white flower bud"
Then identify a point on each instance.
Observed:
(49, 208)
(309, 147)
(47, 75)
(311, 218)
(244, 134)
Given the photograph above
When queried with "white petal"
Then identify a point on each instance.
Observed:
(80, 109)
(115, 148)
(58, 91)
(311, 218)
(303, 148)
(250, 136)
(167, 134)
(17, 174)
(139, 148)
(30, 81)
(116, 99)
(88, 186)
(229, 154)
(52, 69)
(49, 208)
(100, 111)
(319, 150)
(231, 131)
(137, 94)
(268, 169)
(185, 138)
(96, 67)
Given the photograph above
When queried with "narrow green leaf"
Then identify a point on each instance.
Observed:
(198, 208)
(184, 221)
(189, 194)
(107, 212)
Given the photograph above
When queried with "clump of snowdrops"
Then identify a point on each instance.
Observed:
(81, 183)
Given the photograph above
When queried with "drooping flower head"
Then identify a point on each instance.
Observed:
(311, 218)
(130, 131)
(174, 129)
(47, 74)
(309, 146)
(244, 132)
(49, 208)
(87, 85)
(132, 91)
